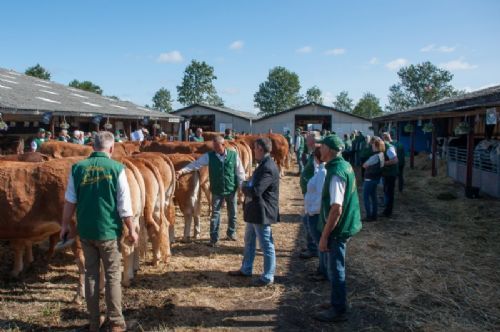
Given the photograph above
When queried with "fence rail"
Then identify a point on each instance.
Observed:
(482, 159)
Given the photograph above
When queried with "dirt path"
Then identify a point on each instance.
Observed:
(434, 266)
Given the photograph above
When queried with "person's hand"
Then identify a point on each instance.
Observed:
(65, 232)
(323, 244)
(178, 174)
(132, 237)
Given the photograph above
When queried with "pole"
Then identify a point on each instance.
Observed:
(470, 155)
(434, 147)
(412, 145)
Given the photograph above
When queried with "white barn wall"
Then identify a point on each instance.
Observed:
(239, 124)
(341, 123)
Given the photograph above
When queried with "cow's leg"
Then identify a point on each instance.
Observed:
(188, 219)
(52, 245)
(156, 237)
(128, 268)
(171, 222)
(28, 253)
(18, 246)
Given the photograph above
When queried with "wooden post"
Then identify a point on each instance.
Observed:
(434, 147)
(470, 155)
(397, 131)
(412, 145)
(53, 127)
(129, 128)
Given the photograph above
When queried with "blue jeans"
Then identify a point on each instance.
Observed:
(312, 246)
(370, 198)
(336, 270)
(265, 235)
(298, 154)
(231, 215)
(316, 235)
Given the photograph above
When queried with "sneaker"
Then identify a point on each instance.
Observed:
(330, 316)
(230, 238)
(261, 283)
(238, 273)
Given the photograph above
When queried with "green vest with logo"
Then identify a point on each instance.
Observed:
(96, 185)
(391, 170)
(223, 177)
(350, 220)
(307, 174)
(39, 142)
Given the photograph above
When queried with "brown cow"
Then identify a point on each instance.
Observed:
(179, 147)
(57, 149)
(29, 157)
(279, 150)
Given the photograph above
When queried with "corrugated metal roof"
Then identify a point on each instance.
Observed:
(481, 98)
(226, 110)
(29, 95)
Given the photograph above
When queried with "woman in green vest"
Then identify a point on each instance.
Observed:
(339, 220)
(226, 173)
(198, 137)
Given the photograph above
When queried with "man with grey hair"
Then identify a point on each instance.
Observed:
(99, 192)
(226, 173)
(261, 210)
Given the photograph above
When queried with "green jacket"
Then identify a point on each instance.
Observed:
(349, 222)
(96, 185)
(307, 174)
(222, 176)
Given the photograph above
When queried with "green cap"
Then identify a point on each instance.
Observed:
(333, 142)
(41, 130)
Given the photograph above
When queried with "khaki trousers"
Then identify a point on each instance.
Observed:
(107, 251)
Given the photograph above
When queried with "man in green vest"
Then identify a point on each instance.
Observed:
(389, 174)
(37, 142)
(198, 137)
(98, 190)
(311, 249)
(63, 136)
(400, 151)
(299, 148)
(226, 174)
(339, 220)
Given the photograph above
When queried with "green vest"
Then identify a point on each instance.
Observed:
(350, 220)
(391, 170)
(400, 150)
(75, 140)
(198, 139)
(223, 177)
(307, 174)
(62, 139)
(301, 146)
(39, 142)
(228, 138)
(348, 145)
(96, 182)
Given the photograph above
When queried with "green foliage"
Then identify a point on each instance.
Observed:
(420, 84)
(313, 95)
(162, 100)
(197, 85)
(279, 92)
(368, 106)
(86, 85)
(113, 97)
(343, 102)
(38, 71)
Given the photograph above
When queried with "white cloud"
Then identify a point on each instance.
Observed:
(440, 49)
(335, 51)
(236, 45)
(373, 61)
(458, 64)
(304, 50)
(396, 64)
(170, 57)
(231, 91)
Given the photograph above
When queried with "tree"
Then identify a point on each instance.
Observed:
(86, 85)
(368, 106)
(279, 92)
(343, 102)
(313, 95)
(38, 71)
(197, 85)
(162, 100)
(420, 84)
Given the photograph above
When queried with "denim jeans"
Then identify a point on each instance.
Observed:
(231, 215)
(336, 270)
(312, 246)
(316, 235)
(370, 197)
(389, 184)
(298, 154)
(265, 236)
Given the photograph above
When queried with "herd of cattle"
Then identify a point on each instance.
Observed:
(32, 187)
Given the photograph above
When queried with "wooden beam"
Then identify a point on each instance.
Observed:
(412, 145)
(434, 148)
(470, 156)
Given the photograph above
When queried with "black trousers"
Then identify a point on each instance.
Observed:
(389, 184)
(401, 180)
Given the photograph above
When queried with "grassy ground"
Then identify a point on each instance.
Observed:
(433, 266)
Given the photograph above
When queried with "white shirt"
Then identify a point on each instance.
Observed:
(123, 200)
(298, 142)
(312, 199)
(337, 191)
(375, 159)
(203, 161)
(391, 153)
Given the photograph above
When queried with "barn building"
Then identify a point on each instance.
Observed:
(464, 130)
(216, 118)
(312, 116)
(28, 103)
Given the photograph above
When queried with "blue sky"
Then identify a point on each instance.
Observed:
(132, 48)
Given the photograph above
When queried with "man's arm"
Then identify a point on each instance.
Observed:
(333, 219)
(194, 166)
(393, 157)
(124, 205)
(260, 183)
(240, 171)
(68, 209)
